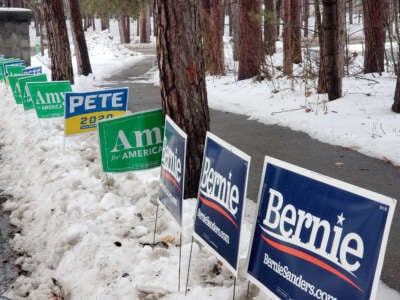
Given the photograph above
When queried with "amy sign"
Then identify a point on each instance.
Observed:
(316, 237)
(25, 97)
(84, 110)
(222, 192)
(132, 142)
(172, 176)
(48, 97)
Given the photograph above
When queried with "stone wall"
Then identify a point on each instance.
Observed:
(14, 33)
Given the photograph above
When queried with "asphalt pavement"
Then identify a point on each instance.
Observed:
(298, 148)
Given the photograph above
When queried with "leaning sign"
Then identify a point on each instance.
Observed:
(48, 97)
(316, 237)
(220, 200)
(84, 110)
(22, 83)
(132, 142)
(172, 175)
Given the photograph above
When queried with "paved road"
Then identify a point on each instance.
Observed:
(258, 139)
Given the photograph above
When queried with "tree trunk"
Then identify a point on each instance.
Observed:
(287, 39)
(182, 79)
(350, 3)
(250, 39)
(396, 104)
(124, 27)
(105, 22)
(306, 16)
(321, 89)
(211, 17)
(374, 36)
(81, 50)
(295, 22)
(235, 29)
(59, 48)
(330, 42)
(270, 22)
(144, 24)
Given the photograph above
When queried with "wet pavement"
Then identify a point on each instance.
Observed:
(257, 140)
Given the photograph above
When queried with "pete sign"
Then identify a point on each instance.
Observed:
(172, 176)
(84, 110)
(132, 142)
(48, 97)
(316, 237)
(220, 200)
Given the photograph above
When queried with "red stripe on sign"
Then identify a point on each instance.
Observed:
(171, 179)
(311, 259)
(219, 209)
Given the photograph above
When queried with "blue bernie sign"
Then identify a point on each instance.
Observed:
(220, 201)
(16, 62)
(32, 70)
(172, 175)
(316, 237)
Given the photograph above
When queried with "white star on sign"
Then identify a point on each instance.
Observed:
(340, 219)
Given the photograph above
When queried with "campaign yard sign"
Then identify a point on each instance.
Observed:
(172, 175)
(15, 70)
(132, 142)
(2, 62)
(83, 110)
(13, 62)
(316, 237)
(25, 97)
(220, 200)
(48, 97)
(33, 70)
(15, 88)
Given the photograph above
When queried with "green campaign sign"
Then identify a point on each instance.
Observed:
(14, 70)
(2, 62)
(49, 97)
(133, 142)
(26, 99)
(13, 80)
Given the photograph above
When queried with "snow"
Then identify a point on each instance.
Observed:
(85, 235)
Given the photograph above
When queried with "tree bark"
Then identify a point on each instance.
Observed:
(81, 50)
(235, 29)
(306, 15)
(182, 79)
(321, 89)
(396, 104)
(211, 17)
(331, 51)
(295, 23)
(59, 48)
(144, 24)
(374, 36)
(287, 39)
(270, 22)
(124, 27)
(250, 39)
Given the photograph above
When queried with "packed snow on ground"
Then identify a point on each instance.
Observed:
(85, 235)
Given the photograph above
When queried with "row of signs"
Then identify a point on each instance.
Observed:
(313, 238)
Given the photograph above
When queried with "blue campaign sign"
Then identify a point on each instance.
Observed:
(83, 110)
(220, 201)
(172, 175)
(32, 70)
(17, 62)
(316, 237)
